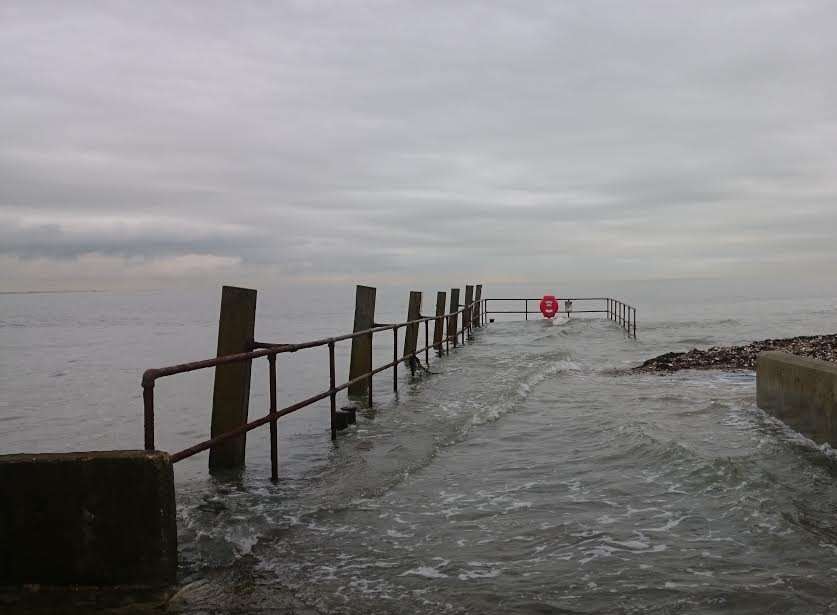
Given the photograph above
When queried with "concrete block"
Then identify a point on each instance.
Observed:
(799, 391)
(95, 518)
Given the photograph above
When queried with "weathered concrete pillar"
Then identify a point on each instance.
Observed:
(469, 300)
(453, 318)
(361, 359)
(231, 394)
(439, 323)
(478, 306)
(99, 518)
(413, 313)
(801, 392)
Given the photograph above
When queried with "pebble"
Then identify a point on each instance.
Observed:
(742, 357)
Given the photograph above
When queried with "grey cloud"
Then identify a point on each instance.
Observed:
(381, 138)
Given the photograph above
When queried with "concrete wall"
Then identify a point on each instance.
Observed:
(101, 518)
(800, 392)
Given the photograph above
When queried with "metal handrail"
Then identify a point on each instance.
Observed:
(270, 350)
(620, 312)
(615, 309)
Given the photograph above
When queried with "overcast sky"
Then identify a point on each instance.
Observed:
(145, 143)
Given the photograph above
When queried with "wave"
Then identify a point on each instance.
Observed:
(667, 325)
(405, 437)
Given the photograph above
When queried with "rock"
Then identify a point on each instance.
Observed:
(742, 357)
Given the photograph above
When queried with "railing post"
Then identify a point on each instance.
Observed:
(526, 308)
(439, 324)
(477, 300)
(634, 323)
(360, 362)
(274, 431)
(469, 308)
(427, 343)
(369, 379)
(395, 358)
(332, 382)
(454, 317)
(148, 411)
(411, 334)
(231, 392)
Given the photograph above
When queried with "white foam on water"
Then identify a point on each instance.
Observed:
(397, 534)
(670, 524)
(467, 575)
(426, 572)
(632, 545)
(491, 412)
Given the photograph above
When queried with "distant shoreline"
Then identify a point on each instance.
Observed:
(49, 292)
(744, 357)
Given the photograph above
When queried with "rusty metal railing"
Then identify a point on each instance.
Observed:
(621, 313)
(471, 314)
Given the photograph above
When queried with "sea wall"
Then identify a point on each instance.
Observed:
(97, 518)
(801, 392)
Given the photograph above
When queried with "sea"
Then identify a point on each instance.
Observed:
(526, 471)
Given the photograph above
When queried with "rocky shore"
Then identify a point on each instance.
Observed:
(742, 357)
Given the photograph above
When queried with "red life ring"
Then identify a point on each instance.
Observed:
(549, 306)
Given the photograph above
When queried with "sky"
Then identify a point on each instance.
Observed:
(146, 144)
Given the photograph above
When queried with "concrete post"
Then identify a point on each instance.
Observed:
(361, 358)
(413, 313)
(453, 318)
(477, 307)
(439, 324)
(231, 394)
(469, 300)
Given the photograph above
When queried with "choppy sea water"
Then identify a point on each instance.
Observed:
(529, 473)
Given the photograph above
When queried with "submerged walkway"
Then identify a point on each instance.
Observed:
(536, 475)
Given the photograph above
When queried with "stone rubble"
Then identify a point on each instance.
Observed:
(742, 357)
